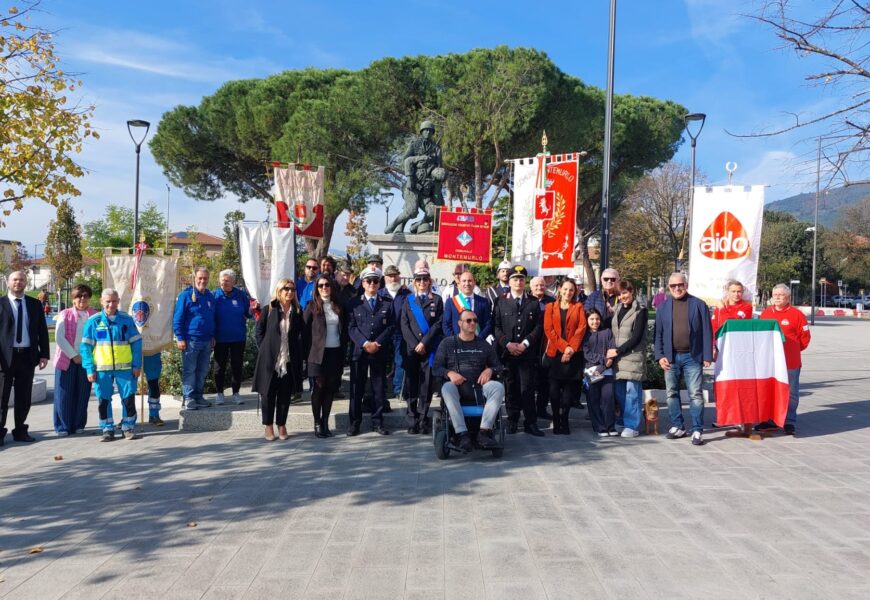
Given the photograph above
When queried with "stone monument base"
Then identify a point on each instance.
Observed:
(404, 249)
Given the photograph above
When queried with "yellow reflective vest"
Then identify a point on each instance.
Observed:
(111, 344)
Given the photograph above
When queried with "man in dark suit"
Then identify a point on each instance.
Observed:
(517, 327)
(23, 345)
(683, 346)
(466, 299)
(421, 330)
(371, 321)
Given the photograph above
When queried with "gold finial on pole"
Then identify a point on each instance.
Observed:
(544, 141)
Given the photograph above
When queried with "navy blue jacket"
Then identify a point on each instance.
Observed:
(365, 325)
(700, 331)
(483, 310)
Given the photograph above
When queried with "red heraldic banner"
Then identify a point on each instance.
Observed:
(465, 236)
(558, 233)
(299, 199)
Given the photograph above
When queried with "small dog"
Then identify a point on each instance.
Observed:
(651, 412)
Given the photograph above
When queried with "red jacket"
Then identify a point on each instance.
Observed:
(741, 310)
(797, 333)
(575, 322)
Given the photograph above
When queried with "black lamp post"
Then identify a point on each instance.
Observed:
(688, 119)
(131, 125)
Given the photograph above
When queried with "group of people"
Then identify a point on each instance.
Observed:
(532, 348)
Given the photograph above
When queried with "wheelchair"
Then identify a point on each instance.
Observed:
(444, 436)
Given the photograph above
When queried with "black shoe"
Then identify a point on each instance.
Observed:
(22, 437)
(465, 442)
(353, 430)
(413, 430)
(318, 431)
(426, 428)
(339, 395)
(485, 439)
(766, 426)
(581, 405)
(788, 429)
(324, 428)
(532, 429)
(381, 430)
(512, 427)
(2, 439)
(543, 414)
(388, 408)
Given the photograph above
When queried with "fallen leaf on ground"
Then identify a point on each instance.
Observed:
(35, 550)
(191, 524)
(58, 457)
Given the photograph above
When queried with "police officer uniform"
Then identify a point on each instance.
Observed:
(420, 323)
(518, 320)
(370, 320)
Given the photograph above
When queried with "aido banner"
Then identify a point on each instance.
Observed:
(465, 236)
(266, 255)
(726, 240)
(545, 213)
(151, 302)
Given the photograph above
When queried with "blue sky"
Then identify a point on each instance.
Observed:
(139, 60)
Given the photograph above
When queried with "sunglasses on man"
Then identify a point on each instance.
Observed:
(469, 320)
(676, 286)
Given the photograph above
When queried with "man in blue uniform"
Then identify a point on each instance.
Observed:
(193, 325)
(371, 321)
(111, 352)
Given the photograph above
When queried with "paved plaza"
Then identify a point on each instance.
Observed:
(227, 515)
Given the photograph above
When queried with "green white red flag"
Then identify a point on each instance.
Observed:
(751, 376)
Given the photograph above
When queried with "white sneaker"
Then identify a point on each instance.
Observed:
(675, 433)
(219, 399)
(628, 432)
(603, 434)
(696, 439)
(237, 400)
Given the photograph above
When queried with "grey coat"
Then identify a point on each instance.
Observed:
(631, 361)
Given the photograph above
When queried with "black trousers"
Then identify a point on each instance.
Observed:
(418, 388)
(325, 383)
(372, 370)
(276, 403)
(234, 353)
(19, 376)
(542, 387)
(520, 387)
(562, 393)
(600, 402)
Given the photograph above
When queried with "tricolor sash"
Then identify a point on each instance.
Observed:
(417, 311)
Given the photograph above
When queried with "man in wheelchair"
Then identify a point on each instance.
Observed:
(468, 366)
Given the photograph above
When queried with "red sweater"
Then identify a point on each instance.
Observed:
(741, 310)
(797, 333)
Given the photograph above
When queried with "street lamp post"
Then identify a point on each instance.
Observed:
(608, 132)
(690, 118)
(131, 125)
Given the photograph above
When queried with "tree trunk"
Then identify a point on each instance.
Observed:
(589, 284)
(321, 247)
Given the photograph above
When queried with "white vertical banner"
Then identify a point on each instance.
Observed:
(266, 255)
(526, 238)
(151, 302)
(726, 240)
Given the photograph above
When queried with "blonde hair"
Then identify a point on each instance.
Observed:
(294, 301)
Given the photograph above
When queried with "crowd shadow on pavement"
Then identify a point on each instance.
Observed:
(177, 492)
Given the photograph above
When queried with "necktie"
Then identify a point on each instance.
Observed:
(19, 325)
(422, 298)
(519, 304)
(372, 304)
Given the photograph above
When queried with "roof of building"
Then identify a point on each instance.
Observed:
(184, 238)
(87, 261)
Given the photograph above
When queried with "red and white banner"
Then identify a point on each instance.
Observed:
(545, 213)
(299, 199)
(465, 236)
(726, 240)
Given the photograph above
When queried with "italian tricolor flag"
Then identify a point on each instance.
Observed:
(751, 378)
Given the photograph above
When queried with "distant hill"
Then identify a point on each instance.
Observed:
(831, 203)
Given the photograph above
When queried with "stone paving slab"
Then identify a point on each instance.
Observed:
(179, 514)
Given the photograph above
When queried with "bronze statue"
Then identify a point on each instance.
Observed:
(424, 178)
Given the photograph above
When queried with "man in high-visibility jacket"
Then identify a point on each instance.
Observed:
(111, 353)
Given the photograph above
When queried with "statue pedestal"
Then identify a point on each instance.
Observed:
(404, 249)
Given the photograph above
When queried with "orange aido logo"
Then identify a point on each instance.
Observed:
(725, 238)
